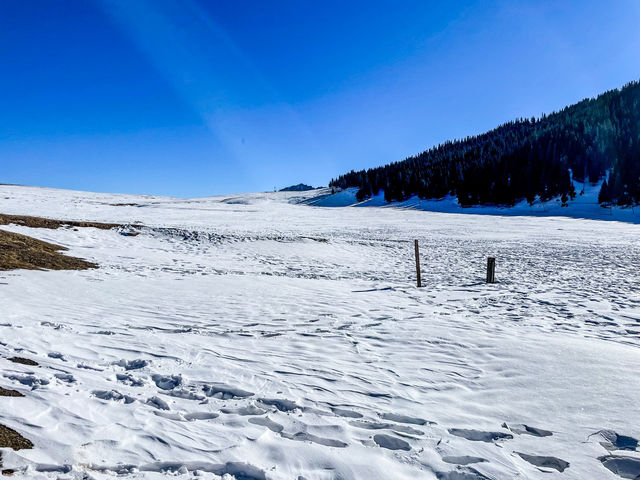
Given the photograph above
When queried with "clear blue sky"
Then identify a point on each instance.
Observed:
(193, 97)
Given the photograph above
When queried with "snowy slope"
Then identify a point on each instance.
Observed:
(584, 205)
(255, 337)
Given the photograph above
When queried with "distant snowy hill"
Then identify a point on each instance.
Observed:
(584, 205)
(301, 187)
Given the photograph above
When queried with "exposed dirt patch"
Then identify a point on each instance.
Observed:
(40, 222)
(24, 361)
(4, 392)
(20, 251)
(12, 439)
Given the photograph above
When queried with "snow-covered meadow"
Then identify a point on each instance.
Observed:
(256, 337)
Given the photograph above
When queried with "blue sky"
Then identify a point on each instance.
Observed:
(194, 98)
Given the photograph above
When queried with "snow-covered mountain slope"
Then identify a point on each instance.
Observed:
(584, 205)
(254, 337)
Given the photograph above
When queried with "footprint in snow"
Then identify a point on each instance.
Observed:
(521, 429)
(462, 474)
(386, 426)
(479, 436)
(129, 379)
(200, 416)
(132, 364)
(89, 367)
(308, 437)
(249, 410)
(267, 422)
(55, 326)
(613, 441)
(391, 443)
(463, 459)
(625, 467)
(281, 404)
(158, 403)
(405, 419)
(225, 392)
(186, 394)
(65, 377)
(29, 380)
(112, 395)
(189, 417)
(345, 413)
(167, 382)
(545, 463)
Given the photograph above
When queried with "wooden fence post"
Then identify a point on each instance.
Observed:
(415, 242)
(491, 270)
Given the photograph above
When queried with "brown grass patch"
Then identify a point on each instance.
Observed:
(4, 392)
(41, 222)
(12, 439)
(24, 361)
(20, 251)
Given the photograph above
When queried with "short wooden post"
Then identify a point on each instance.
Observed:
(415, 242)
(491, 270)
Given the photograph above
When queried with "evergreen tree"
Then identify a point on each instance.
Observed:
(603, 196)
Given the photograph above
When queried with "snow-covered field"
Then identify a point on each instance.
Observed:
(254, 337)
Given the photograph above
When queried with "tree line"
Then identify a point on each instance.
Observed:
(526, 159)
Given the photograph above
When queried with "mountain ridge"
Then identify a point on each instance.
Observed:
(535, 159)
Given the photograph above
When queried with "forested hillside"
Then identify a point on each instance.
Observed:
(532, 159)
